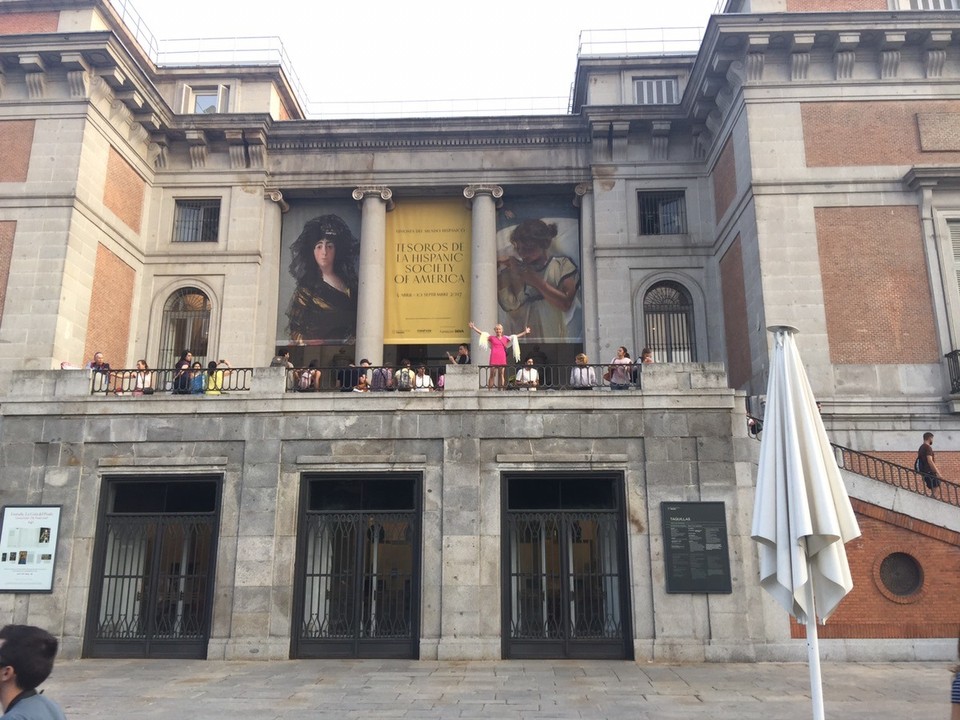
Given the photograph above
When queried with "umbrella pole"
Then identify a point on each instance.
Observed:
(813, 655)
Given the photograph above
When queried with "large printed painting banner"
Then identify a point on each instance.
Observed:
(427, 271)
(427, 294)
(538, 268)
(319, 257)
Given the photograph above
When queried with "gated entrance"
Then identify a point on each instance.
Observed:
(153, 568)
(565, 579)
(358, 567)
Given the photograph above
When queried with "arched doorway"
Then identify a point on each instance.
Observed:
(668, 327)
(185, 326)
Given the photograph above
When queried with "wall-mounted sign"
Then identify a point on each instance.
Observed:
(695, 548)
(28, 547)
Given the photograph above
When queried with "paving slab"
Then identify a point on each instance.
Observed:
(507, 690)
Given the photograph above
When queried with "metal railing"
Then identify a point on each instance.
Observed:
(640, 41)
(560, 377)
(953, 364)
(896, 475)
(364, 379)
(138, 383)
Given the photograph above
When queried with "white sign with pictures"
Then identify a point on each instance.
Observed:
(28, 547)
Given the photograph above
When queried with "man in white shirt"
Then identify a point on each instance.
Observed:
(527, 377)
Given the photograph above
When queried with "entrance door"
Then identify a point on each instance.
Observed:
(153, 569)
(565, 575)
(358, 563)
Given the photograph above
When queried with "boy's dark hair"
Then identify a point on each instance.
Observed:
(30, 651)
(927, 436)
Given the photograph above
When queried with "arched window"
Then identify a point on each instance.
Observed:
(668, 327)
(186, 326)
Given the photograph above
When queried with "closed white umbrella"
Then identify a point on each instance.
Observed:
(802, 515)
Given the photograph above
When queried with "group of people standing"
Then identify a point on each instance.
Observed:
(190, 378)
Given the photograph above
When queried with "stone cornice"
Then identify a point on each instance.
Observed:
(560, 131)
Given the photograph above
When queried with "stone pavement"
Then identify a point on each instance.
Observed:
(144, 689)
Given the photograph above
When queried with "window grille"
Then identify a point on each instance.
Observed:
(935, 4)
(196, 221)
(662, 213)
(657, 91)
(668, 323)
(186, 326)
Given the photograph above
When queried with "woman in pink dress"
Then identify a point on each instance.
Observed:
(497, 374)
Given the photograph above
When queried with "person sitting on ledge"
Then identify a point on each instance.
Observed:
(582, 377)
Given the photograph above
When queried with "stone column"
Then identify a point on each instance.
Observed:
(374, 202)
(588, 271)
(483, 201)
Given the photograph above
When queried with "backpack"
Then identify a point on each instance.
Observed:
(306, 379)
(918, 465)
(405, 379)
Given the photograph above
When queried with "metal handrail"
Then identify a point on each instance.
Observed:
(378, 378)
(563, 377)
(892, 474)
(136, 383)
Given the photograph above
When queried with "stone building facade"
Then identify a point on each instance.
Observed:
(801, 169)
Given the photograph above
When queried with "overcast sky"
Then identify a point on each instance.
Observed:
(374, 50)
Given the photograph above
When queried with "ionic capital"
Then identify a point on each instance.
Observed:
(365, 191)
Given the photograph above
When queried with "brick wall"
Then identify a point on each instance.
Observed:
(735, 316)
(123, 191)
(29, 22)
(16, 142)
(834, 5)
(111, 300)
(871, 611)
(871, 133)
(875, 289)
(8, 229)
(724, 180)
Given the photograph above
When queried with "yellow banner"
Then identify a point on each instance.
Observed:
(427, 294)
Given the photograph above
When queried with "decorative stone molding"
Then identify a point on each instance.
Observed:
(889, 63)
(845, 54)
(256, 141)
(112, 76)
(800, 44)
(157, 151)
(119, 112)
(276, 196)
(236, 149)
(138, 133)
(149, 120)
(198, 148)
(844, 62)
(714, 121)
(36, 84)
(661, 139)
(754, 64)
(78, 82)
(701, 138)
(933, 62)
(97, 87)
(799, 65)
(364, 191)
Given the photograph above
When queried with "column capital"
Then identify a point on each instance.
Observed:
(276, 196)
(580, 191)
(471, 191)
(365, 191)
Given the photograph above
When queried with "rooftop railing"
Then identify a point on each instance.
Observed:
(640, 41)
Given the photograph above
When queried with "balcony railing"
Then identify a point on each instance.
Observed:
(953, 363)
(364, 379)
(135, 382)
(560, 377)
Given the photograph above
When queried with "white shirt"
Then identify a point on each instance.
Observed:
(528, 378)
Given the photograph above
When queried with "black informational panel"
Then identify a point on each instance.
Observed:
(695, 549)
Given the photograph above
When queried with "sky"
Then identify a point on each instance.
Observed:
(377, 51)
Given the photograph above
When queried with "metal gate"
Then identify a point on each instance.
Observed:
(358, 569)
(668, 326)
(153, 575)
(565, 579)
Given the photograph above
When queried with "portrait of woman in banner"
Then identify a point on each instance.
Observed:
(539, 284)
(323, 308)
